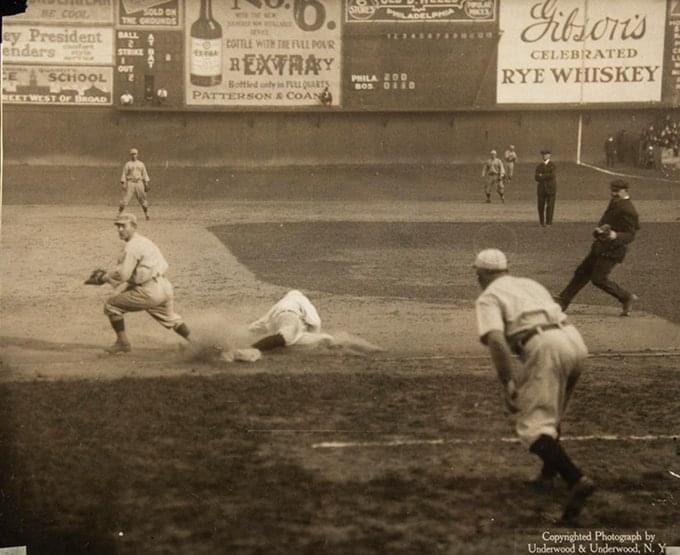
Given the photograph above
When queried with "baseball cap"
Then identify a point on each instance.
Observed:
(618, 184)
(491, 259)
(493, 152)
(124, 218)
(134, 151)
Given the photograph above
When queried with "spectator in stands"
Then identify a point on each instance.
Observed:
(648, 161)
(610, 151)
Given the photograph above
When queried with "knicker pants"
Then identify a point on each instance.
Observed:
(134, 189)
(550, 360)
(294, 330)
(156, 297)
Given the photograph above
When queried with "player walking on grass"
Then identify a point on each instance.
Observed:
(494, 172)
(140, 284)
(614, 232)
(518, 315)
(135, 182)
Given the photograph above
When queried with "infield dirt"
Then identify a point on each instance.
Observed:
(186, 456)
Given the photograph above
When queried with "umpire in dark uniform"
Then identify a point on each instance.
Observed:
(615, 231)
(546, 188)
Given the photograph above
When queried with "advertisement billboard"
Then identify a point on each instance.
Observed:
(149, 13)
(57, 85)
(261, 54)
(43, 44)
(580, 51)
(422, 11)
(65, 12)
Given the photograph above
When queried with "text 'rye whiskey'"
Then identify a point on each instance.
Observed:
(206, 48)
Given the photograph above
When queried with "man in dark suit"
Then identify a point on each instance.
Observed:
(610, 151)
(615, 231)
(546, 188)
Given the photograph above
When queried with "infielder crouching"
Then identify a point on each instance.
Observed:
(518, 315)
(293, 320)
(140, 284)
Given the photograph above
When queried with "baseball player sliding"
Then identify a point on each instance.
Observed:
(293, 320)
(518, 315)
(139, 284)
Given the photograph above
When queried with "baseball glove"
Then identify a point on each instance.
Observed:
(96, 277)
(147, 187)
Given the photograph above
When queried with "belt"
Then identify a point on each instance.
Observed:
(520, 339)
(289, 310)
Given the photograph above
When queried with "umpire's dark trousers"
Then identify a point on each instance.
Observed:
(546, 203)
(596, 269)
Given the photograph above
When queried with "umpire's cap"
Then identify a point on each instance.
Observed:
(124, 218)
(491, 259)
(618, 184)
(546, 151)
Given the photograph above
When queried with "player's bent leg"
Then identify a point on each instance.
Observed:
(270, 342)
(581, 277)
(600, 279)
(551, 452)
(122, 344)
(182, 330)
(141, 198)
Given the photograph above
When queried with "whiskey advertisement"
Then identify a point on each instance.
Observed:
(43, 44)
(149, 67)
(149, 13)
(67, 11)
(572, 51)
(244, 53)
(67, 85)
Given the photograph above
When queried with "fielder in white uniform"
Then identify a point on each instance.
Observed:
(140, 284)
(494, 171)
(518, 315)
(135, 182)
(293, 320)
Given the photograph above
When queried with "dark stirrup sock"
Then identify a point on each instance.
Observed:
(270, 342)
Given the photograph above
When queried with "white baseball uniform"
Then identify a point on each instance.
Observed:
(518, 307)
(134, 177)
(295, 318)
(141, 271)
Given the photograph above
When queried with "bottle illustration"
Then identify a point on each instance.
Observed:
(206, 48)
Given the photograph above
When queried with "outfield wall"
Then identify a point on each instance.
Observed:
(74, 136)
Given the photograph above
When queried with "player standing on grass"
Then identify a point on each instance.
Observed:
(510, 159)
(518, 315)
(494, 172)
(135, 182)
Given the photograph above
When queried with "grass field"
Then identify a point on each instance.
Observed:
(194, 457)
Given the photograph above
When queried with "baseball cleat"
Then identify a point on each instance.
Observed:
(578, 495)
(628, 305)
(118, 348)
